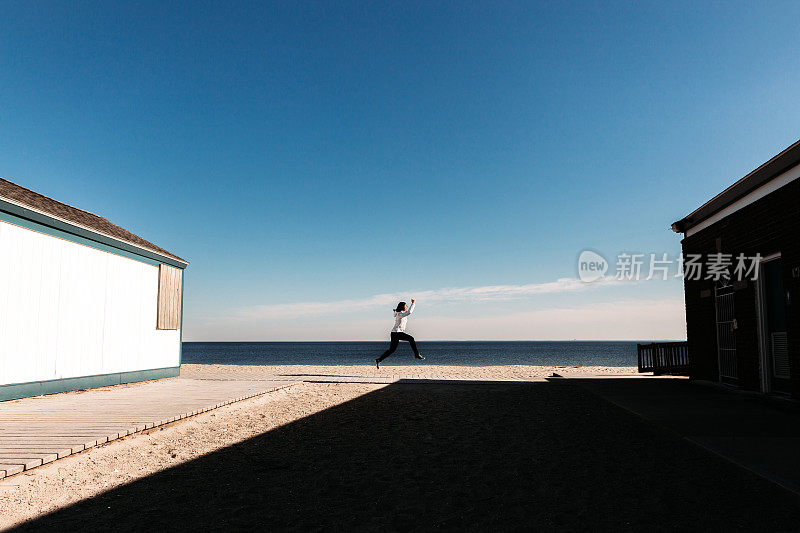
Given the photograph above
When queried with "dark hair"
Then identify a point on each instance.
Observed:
(400, 307)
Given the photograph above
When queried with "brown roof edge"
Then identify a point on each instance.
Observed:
(788, 158)
(17, 194)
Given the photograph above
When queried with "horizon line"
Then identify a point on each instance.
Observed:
(450, 340)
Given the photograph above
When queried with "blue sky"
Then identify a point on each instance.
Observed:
(307, 158)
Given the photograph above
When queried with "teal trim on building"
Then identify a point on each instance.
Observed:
(37, 388)
(26, 218)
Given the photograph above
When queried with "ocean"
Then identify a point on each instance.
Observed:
(558, 353)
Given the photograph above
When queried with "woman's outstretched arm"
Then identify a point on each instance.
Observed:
(410, 309)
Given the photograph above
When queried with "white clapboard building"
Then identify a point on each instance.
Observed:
(83, 302)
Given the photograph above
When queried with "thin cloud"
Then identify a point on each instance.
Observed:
(613, 320)
(451, 294)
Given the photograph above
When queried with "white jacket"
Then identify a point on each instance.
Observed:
(400, 319)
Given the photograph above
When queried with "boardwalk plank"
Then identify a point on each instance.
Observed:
(11, 469)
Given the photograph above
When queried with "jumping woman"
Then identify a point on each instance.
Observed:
(401, 314)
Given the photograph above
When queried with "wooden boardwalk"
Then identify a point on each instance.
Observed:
(39, 430)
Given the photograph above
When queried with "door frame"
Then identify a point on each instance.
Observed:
(765, 365)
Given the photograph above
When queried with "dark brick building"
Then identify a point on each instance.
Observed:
(747, 332)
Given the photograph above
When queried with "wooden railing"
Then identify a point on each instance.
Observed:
(664, 357)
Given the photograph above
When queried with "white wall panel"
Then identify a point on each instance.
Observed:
(68, 310)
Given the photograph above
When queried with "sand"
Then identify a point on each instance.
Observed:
(85, 475)
(422, 370)
(544, 455)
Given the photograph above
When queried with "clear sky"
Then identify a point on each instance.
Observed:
(316, 161)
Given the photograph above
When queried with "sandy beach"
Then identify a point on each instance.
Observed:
(413, 456)
(423, 370)
(112, 465)
(85, 475)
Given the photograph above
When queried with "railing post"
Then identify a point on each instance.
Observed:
(639, 356)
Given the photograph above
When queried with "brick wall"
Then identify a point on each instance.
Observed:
(770, 225)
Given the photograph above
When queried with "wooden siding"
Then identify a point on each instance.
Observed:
(69, 310)
(169, 297)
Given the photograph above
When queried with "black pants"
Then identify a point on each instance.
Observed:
(396, 337)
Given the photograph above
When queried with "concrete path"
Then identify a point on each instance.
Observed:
(35, 431)
(760, 434)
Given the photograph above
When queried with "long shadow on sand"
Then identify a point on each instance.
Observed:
(450, 456)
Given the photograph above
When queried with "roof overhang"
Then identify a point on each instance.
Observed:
(743, 191)
(54, 222)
